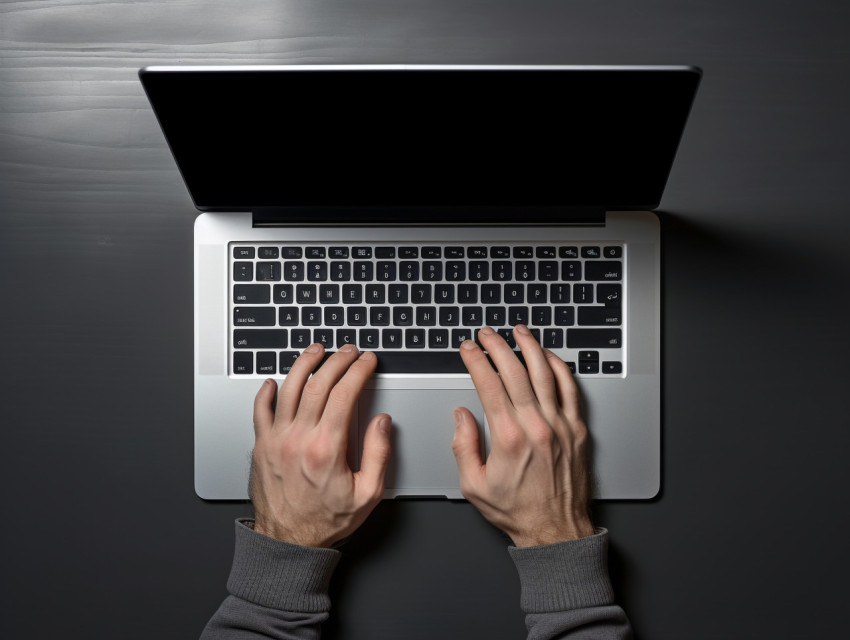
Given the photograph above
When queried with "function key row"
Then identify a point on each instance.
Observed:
(288, 252)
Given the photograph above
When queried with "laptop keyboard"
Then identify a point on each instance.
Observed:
(414, 304)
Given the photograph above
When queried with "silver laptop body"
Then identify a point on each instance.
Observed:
(287, 186)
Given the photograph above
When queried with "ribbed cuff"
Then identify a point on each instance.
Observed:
(565, 575)
(278, 574)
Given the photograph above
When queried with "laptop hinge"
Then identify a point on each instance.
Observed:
(427, 216)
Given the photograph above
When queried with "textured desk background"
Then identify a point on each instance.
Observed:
(103, 535)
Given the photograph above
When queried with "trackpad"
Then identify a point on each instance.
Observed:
(422, 462)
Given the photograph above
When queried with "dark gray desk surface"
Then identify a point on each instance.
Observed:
(103, 535)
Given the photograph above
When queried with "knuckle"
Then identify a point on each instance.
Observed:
(342, 395)
(313, 388)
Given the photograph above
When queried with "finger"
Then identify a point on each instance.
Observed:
(369, 481)
(539, 371)
(467, 449)
(568, 393)
(314, 395)
(290, 391)
(491, 391)
(263, 406)
(343, 397)
(513, 374)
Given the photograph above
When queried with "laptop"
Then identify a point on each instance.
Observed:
(401, 208)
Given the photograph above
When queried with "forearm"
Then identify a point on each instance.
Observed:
(566, 592)
(277, 590)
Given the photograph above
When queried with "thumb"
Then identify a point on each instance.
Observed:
(466, 446)
(376, 455)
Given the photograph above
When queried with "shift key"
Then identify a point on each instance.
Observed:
(594, 338)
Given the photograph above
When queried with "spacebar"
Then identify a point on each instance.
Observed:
(419, 362)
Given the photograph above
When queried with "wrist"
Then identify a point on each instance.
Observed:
(540, 536)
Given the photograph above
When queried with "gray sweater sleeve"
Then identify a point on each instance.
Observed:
(277, 590)
(566, 592)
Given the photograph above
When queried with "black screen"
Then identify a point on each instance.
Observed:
(591, 137)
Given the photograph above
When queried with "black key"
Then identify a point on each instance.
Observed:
(324, 336)
(467, 293)
(403, 316)
(408, 271)
(454, 252)
(570, 253)
(346, 336)
(426, 316)
(588, 366)
(334, 316)
(338, 252)
(500, 252)
(293, 271)
(523, 252)
(553, 338)
(559, 293)
(282, 293)
(386, 271)
(502, 271)
(305, 293)
(408, 252)
(565, 316)
(361, 252)
(317, 271)
(340, 271)
(514, 293)
(311, 316)
(290, 253)
(472, 316)
(420, 293)
(479, 270)
(353, 293)
(610, 295)
(438, 338)
(377, 293)
(243, 271)
(524, 270)
(612, 252)
(251, 293)
(537, 293)
(315, 252)
(254, 316)
(583, 293)
(391, 339)
(517, 315)
(379, 316)
(368, 338)
(591, 252)
(432, 252)
(414, 338)
(356, 316)
(612, 366)
(363, 271)
(545, 252)
(599, 316)
(602, 270)
(547, 270)
(491, 293)
(495, 316)
(287, 316)
(541, 316)
(267, 363)
(385, 252)
(259, 339)
(444, 293)
(243, 362)
(268, 253)
(476, 252)
(594, 338)
(287, 359)
(420, 362)
(449, 316)
(328, 293)
(398, 294)
(455, 271)
(508, 335)
(432, 271)
(300, 338)
(243, 253)
(570, 270)
(459, 335)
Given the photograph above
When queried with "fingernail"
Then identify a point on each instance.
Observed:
(384, 424)
(348, 347)
(458, 416)
(521, 328)
(366, 355)
(487, 331)
(467, 344)
(313, 348)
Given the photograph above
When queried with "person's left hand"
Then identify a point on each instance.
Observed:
(301, 485)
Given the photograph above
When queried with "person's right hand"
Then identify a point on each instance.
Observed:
(535, 485)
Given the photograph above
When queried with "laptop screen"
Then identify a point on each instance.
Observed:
(247, 138)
